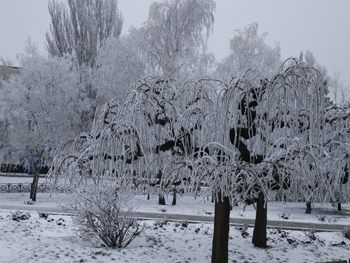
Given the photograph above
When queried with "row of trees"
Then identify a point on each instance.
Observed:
(88, 63)
(243, 132)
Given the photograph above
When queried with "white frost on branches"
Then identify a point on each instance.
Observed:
(259, 133)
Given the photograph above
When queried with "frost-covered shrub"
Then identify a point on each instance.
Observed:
(346, 232)
(160, 222)
(311, 233)
(19, 216)
(284, 215)
(243, 229)
(102, 215)
(321, 218)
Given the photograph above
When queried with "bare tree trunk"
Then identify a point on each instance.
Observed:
(174, 197)
(259, 234)
(221, 231)
(34, 186)
(161, 200)
(340, 197)
(339, 205)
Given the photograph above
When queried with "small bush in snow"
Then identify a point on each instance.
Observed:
(163, 210)
(321, 218)
(311, 233)
(160, 222)
(346, 232)
(101, 215)
(184, 224)
(243, 229)
(284, 215)
(19, 216)
(29, 202)
(324, 218)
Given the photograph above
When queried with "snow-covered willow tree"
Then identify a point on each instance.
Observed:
(144, 130)
(243, 138)
(82, 27)
(303, 109)
(174, 37)
(336, 161)
(40, 106)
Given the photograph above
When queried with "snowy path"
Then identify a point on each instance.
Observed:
(283, 224)
(188, 209)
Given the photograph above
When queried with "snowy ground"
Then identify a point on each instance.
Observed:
(54, 240)
(16, 179)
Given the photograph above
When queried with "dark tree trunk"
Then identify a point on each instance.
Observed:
(174, 197)
(36, 168)
(161, 199)
(259, 234)
(221, 231)
(34, 186)
(339, 205)
(308, 207)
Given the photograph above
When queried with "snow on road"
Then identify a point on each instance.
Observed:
(17, 180)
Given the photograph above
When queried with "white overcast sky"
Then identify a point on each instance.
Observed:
(321, 26)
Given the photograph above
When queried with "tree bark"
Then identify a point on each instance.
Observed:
(259, 233)
(34, 186)
(308, 207)
(161, 200)
(174, 197)
(221, 231)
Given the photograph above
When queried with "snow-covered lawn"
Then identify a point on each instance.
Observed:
(42, 240)
(39, 240)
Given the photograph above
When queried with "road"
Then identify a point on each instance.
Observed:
(284, 224)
